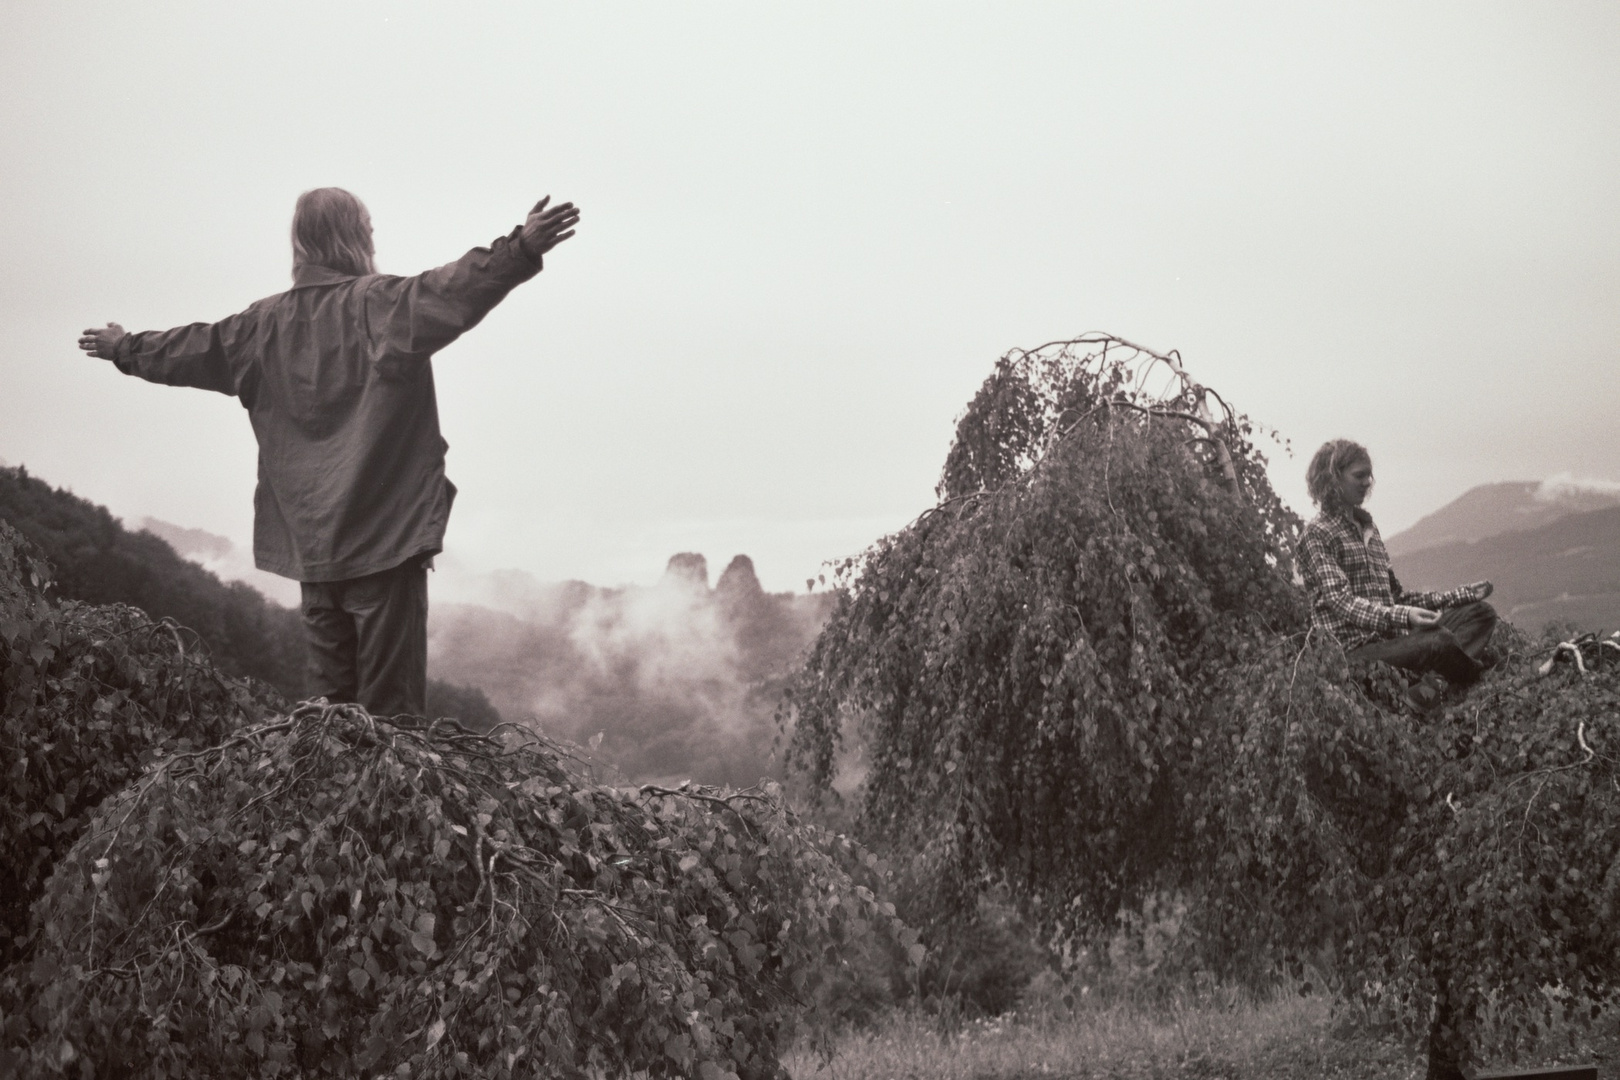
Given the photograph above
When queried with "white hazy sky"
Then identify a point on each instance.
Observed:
(810, 229)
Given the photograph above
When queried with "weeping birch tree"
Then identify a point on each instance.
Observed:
(1086, 675)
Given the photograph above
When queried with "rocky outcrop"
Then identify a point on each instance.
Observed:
(738, 582)
(688, 567)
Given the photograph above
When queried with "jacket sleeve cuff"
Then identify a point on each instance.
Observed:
(521, 252)
(124, 354)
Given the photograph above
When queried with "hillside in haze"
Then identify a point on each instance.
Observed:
(681, 679)
(1564, 571)
(1551, 548)
(1492, 509)
(219, 556)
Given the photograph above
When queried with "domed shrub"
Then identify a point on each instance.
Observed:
(330, 894)
(89, 696)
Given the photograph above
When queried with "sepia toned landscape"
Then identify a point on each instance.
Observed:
(1064, 540)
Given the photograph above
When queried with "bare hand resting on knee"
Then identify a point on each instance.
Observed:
(1422, 618)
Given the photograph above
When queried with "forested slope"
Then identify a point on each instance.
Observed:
(96, 559)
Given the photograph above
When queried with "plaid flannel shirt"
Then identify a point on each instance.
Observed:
(1354, 594)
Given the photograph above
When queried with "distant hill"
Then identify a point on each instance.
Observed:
(97, 560)
(1567, 570)
(1493, 509)
(219, 555)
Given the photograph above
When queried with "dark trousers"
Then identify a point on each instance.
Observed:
(368, 639)
(1452, 648)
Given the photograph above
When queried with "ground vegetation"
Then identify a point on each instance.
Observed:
(224, 886)
(90, 695)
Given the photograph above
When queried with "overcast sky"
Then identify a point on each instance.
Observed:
(810, 229)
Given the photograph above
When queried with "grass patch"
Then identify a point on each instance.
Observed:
(1214, 1039)
(1216, 1036)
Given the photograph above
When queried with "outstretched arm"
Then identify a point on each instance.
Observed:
(102, 341)
(196, 355)
(417, 316)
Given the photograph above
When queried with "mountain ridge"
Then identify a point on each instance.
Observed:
(1488, 510)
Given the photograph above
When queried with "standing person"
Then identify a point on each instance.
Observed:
(1355, 596)
(337, 379)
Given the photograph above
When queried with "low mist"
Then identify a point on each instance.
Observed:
(679, 679)
(1589, 493)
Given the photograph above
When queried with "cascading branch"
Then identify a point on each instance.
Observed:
(333, 894)
(89, 695)
(1023, 666)
(1462, 866)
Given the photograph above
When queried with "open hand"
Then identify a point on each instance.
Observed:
(102, 341)
(545, 228)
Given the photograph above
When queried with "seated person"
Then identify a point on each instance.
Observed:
(1355, 597)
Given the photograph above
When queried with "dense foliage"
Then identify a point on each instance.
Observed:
(1505, 887)
(1022, 669)
(1085, 676)
(96, 560)
(1467, 856)
(88, 697)
(329, 894)
(322, 892)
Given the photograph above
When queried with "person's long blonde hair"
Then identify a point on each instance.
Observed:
(331, 228)
(1322, 475)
